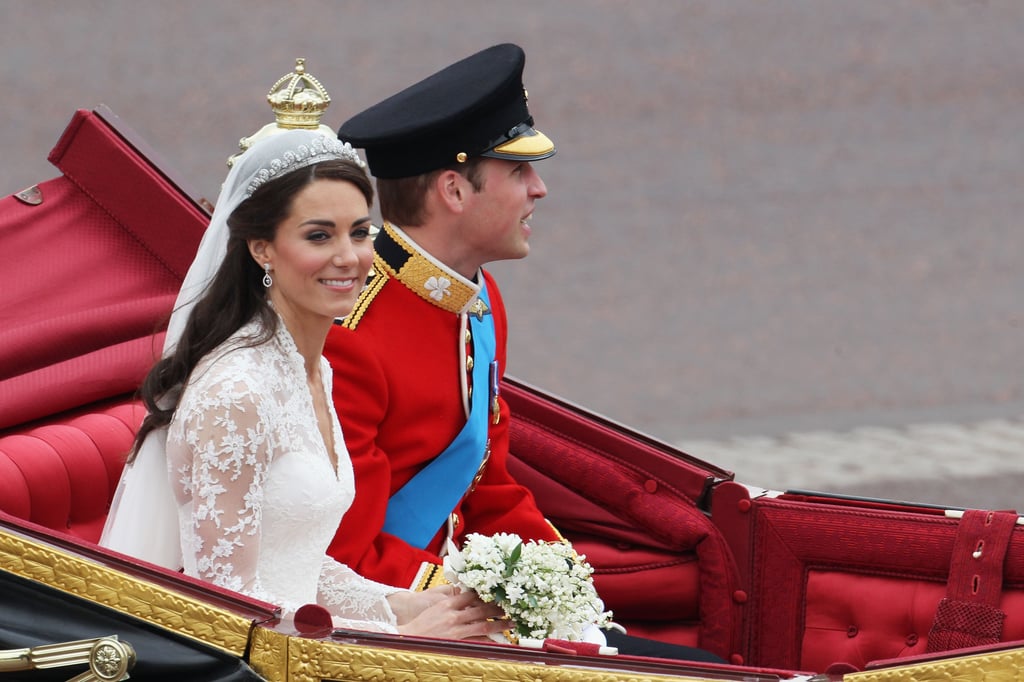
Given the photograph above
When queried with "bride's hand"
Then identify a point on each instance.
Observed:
(407, 605)
(441, 612)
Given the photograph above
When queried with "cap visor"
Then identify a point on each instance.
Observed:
(532, 145)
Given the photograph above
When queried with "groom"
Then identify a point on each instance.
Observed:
(418, 364)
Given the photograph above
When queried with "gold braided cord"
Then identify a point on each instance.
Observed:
(366, 297)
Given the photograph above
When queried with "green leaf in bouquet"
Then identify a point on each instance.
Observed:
(512, 559)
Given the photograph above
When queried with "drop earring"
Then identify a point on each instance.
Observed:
(267, 279)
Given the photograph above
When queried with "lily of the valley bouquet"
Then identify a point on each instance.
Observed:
(545, 588)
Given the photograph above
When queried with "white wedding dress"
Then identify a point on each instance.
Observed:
(259, 499)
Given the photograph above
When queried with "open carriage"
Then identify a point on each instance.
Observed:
(781, 585)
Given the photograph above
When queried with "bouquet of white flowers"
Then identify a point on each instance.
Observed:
(545, 588)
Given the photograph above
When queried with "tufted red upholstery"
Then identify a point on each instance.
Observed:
(630, 506)
(120, 236)
(833, 582)
(61, 472)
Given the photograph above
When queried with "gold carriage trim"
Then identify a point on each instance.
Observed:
(313, 660)
(269, 654)
(147, 601)
(997, 666)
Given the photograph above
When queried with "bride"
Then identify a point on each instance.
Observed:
(239, 473)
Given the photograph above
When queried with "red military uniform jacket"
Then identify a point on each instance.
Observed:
(400, 389)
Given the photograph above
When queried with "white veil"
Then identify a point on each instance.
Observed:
(143, 519)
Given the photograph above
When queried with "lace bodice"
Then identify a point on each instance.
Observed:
(259, 499)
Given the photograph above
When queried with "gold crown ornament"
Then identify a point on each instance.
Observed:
(298, 101)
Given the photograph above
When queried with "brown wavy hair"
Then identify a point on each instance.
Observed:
(236, 294)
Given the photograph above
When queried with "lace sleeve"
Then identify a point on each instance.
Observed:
(222, 465)
(354, 601)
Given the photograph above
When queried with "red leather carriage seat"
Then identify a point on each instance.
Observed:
(834, 582)
(630, 507)
(61, 472)
(83, 317)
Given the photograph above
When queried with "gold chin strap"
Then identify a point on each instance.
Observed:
(109, 659)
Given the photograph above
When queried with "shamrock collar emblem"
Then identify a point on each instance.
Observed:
(438, 287)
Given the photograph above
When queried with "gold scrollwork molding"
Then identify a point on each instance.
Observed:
(152, 603)
(313, 660)
(998, 666)
(269, 654)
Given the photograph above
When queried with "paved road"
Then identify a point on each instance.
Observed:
(764, 219)
(967, 464)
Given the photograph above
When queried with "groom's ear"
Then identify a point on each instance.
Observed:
(450, 189)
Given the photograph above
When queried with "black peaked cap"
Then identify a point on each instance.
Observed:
(475, 107)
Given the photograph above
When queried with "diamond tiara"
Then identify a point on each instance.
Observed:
(319, 149)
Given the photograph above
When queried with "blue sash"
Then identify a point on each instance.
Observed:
(418, 510)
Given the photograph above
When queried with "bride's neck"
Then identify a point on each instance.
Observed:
(309, 334)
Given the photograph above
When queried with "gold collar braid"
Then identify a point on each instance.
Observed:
(435, 283)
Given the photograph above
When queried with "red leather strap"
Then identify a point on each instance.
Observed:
(969, 615)
(976, 570)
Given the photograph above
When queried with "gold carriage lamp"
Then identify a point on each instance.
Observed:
(298, 101)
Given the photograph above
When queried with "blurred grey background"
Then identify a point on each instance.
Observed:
(764, 218)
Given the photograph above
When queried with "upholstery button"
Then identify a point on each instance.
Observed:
(911, 639)
(851, 631)
(739, 596)
(743, 506)
(650, 485)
